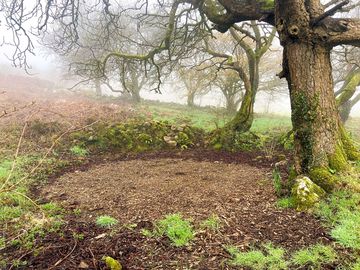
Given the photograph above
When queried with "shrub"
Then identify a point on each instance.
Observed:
(232, 141)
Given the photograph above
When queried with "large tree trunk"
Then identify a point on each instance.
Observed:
(190, 99)
(98, 91)
(231, 105)
(135, 95)
(321, 143)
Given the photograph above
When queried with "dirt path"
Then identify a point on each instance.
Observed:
(142, 190)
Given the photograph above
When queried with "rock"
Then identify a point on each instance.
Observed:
(306, 193)
(170, 141)
(100, 236)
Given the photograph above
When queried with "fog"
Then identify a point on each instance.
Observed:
(47, 68)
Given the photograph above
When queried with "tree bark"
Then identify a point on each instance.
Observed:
(321, 143)
(190, 99)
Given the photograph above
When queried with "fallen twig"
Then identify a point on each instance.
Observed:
(63, 259)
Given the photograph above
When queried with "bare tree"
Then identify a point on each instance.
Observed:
(232, 88)
(197, 83)
(252, 40)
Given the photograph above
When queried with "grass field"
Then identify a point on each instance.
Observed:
(209, 118)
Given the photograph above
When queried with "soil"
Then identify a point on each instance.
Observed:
(142, 189)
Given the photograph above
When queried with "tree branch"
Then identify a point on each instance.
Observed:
(351, 36)
(329, 13)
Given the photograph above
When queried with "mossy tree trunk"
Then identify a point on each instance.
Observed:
(244, 118)
(321, 143)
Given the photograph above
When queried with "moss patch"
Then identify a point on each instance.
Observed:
(338, 160)
(351, 151)
(323, 178)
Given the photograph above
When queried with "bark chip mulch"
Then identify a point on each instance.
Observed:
(143, 190)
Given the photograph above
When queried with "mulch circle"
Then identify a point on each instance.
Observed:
(139, 189)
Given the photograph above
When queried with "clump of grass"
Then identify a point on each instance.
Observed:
(277, 182)
(52, 209)
(315, 256)
(5, 167)
(347, 231)
(146, 233)
(287, 202)
(212, 223)
(9, 212)
(341, 211)
(78, 151)
(178, 230)
(106, 221)
(271, 258)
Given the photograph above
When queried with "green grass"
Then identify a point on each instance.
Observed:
(212, 223)
(106, 221)
(52, 209)
(270, 258)
(341, 212)
(5, 167)
(347, 230)
(78, 151)
(356, 265)
(271, 124)
(314, 257)
(287, 202)
(277, 182)
(210, 118)
(176, 228)
(205, 118)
